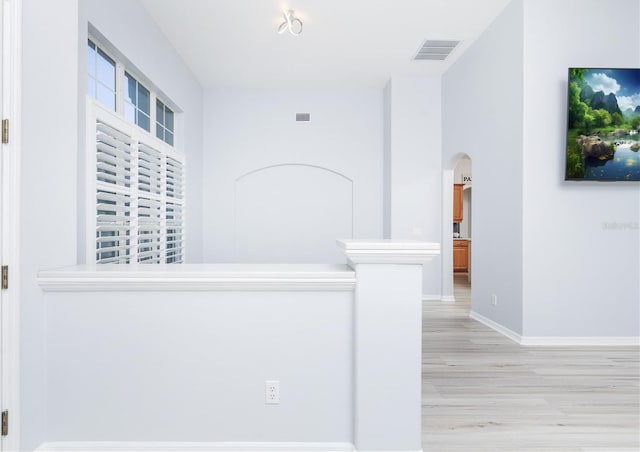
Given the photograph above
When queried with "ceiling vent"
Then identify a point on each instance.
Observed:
(435, 50)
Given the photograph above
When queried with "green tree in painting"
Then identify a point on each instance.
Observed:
(589, 121)
(601, 118)
(577, 74)
(635, 122)
(617, 119)
(577, 108)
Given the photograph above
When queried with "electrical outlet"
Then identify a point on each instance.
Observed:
(494, 300)
(272, 392)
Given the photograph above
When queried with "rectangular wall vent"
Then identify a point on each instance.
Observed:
(303, 117)
(435, 50)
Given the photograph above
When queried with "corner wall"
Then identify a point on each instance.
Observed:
(49, 127)
(581, 278)
(482, 105)
(412, 160)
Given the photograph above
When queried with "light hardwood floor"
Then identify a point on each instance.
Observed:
(483, 392)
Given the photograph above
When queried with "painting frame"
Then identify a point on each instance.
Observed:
(603, 125)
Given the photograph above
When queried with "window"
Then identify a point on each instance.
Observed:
(137, 103)
(102, 76)
(164, 123)
(136, 176)
(138, 193)
(121, 90)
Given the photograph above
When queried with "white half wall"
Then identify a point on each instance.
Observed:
(191, 366)
(271, 181)
(582, 278)
(482, 108)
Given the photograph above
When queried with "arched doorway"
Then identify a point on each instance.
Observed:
(456, 228)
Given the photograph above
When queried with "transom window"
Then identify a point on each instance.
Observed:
(137, 103)
(122, 92)
(102, 76)
(164, 123)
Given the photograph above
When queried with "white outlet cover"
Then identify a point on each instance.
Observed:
(272, 392)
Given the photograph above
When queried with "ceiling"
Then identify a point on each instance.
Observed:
(344, 43)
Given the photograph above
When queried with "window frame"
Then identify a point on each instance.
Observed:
(123, 67)
(137, 111)
(162, 125)
(94, 74)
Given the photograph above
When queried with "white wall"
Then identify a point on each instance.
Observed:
(581, 278)
(192, 366)
(129, 28)
(301, 224)
(54, 83)
(412, 166)
(253, 130)
(482, 117)
(49, 125)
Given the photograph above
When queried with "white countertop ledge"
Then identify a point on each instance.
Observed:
(198, 278)
(388, 251)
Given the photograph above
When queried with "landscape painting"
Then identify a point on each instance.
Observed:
(603, 119)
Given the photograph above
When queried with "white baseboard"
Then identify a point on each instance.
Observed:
(496, 326)
(577, 341)
(447, 298)
(144, 446)
(430, 297)
(558, 341)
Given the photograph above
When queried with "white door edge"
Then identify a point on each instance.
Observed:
(11, 51)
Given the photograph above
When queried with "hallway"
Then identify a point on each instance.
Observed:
(484, 392)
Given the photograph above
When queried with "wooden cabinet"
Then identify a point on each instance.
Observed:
(457, 202)
(460, 256)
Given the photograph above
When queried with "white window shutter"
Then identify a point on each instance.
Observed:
(138, 187)
(175, 213)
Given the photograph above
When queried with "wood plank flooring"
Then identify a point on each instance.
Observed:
(483, 392)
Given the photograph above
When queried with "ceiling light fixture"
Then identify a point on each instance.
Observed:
(293, 24)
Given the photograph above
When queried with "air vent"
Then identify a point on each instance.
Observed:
(304, 117)
(435, 50)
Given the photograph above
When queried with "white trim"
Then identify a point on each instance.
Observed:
(118, 446)
(198, 277)
(558, 341)
(581, 341)
(431, 298)
(388, 251)
(12, 26)
(496, 326)
(448, 299)
(376, 450)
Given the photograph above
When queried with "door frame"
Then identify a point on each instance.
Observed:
(11, 76)
(446, 249)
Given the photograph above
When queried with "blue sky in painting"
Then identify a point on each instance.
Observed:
(624, 83)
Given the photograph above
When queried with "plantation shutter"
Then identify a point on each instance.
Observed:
(175, 216)
(113, 194)
(138, 194)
